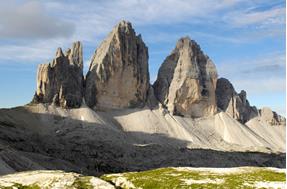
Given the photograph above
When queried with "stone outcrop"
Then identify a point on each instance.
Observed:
(271, 117)
(61, 81)
(186, 81)
(118, 76)
(234, 104)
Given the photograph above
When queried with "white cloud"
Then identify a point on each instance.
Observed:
(30, 20)
(273, 16)
(255, 66)
(258, 74)
(33, 52)
(94, 19)
(260, 86)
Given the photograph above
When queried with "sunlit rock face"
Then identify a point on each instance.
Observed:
(271, 117)
(235, 104)
(186, 81)
(61, 81)
(118, 76)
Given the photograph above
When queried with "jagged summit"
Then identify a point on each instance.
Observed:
(61, 81)
(186, 81)
(75, 54)
(235, 104)
(59, 53)
(58, 130)
(118, 76)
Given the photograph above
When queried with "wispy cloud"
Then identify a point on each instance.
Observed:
(89, 21)
(30, 20)
(36, 52)
(30, 31)
(255, 66)
(256, 75)
(260, 86)
(259, 18)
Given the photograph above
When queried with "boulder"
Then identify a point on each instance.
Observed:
(118, 76)
(236, 105)
(61, 81)
(186, 81)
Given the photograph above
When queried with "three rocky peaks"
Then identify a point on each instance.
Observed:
(118, 77)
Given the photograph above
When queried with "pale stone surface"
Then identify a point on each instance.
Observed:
(118, 76)
(271, 117)
(61, 81)
(236, 105)
(52, 179)
(186, 81)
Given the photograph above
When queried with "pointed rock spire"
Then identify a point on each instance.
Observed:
(61, 82)
(75, 55)
(118, 76)
(186, 81)
(59, 52)
(236, 105)
(271, 117)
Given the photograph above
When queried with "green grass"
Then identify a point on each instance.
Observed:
(171, 178)
(82, 183)
(20, 186)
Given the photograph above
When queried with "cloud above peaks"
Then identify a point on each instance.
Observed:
(29, 20)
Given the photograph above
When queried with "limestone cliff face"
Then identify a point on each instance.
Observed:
(186, 81)
(118, 76)
(271, 117)
(61, 81)
(233, 103)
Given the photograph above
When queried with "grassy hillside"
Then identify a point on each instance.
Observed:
(244, 177)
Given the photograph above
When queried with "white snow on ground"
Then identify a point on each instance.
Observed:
(204, 181)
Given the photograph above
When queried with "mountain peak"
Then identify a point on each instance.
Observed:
(124, 24)
(59, 52)
(61, 82)
(186, 81)
(118, 76)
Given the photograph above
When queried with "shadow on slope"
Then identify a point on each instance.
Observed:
(33, 141)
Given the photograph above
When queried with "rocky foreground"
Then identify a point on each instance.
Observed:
(171, 177)
(114, 120)
(44, 179)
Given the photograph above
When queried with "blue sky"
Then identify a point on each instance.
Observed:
(244, 38)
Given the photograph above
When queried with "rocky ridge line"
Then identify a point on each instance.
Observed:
(186, 81)
(61, 81)
(118, 77)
